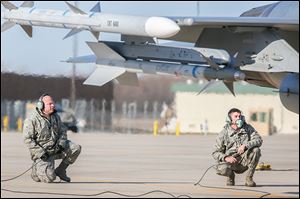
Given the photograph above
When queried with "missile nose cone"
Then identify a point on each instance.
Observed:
(161, 27)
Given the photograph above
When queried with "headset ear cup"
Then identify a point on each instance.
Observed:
(40, 105)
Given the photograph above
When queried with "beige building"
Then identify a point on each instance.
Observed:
(206, 113)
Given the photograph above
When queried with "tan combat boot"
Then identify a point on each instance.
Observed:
(230, 180)
(250, 182)
(249, 178)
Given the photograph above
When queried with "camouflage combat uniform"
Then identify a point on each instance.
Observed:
(227, 143)
(48, 136)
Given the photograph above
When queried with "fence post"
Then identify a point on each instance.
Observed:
(19, 124)
(177, 128)
(5, 123)
(155, 128)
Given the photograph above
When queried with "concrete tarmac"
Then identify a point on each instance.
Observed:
(160, 167)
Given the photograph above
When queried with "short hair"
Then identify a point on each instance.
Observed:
(234, 110)
(43, 95)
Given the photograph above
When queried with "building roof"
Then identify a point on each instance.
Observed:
(220, 88)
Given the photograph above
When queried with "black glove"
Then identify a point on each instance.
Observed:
(45, 156)
(59, 149)
(62, 144)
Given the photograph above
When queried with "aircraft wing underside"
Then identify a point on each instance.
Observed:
(191, 27)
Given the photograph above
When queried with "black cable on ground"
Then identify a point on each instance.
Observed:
(21, 173)
(100, 193)
(228, 188)
(139, 195)
(85, 195)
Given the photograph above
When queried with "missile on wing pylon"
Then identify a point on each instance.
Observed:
(112, 65)
(77, 20)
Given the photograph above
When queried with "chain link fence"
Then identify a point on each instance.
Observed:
(90, 115)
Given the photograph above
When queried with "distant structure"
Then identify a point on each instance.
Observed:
(20, 92)
(22, 87)
(206, 113)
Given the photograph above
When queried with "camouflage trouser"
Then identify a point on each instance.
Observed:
(44, 170)
(247, 161)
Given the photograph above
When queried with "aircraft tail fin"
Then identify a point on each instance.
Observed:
(9, 5)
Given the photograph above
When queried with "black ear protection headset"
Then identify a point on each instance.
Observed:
(40, 104)
(240, 122)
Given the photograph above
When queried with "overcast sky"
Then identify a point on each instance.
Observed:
(42, 53)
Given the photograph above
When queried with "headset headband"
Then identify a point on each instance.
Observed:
(42, 96)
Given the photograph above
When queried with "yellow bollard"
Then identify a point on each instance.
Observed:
(177, 128)
(20, 124)
(155, 128)
(5, 123)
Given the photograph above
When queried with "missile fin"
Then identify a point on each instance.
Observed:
(128, 79)
(75, 9)
(103, 74)
(96, 34)
(7, 25)
(27, 29)
(209, 84)
(96, 8)
(9, 5)
(27, 4)
(102, 51)
(211, 63)
(229, 85)
(72, 32)
(81, 59)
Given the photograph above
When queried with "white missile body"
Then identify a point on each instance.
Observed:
(77, 20)
(111, 65)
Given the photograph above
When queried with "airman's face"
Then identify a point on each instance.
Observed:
(49, 106)
(235, 116)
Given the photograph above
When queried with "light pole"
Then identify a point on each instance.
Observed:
(73, 78)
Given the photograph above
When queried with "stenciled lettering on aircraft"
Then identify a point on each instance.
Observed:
(112, 23)
(162, 68)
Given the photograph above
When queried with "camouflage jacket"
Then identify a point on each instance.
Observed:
(229, 140)
(42, 135)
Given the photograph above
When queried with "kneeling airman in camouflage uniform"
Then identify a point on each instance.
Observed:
(237, 149)
(46, 138)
